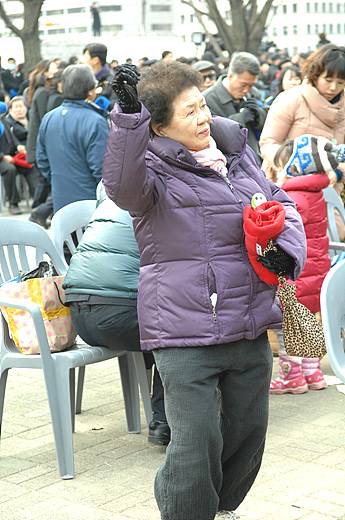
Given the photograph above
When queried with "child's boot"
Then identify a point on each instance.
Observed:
(313, 373)
(291, 379)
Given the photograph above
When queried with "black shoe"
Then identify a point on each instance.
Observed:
(159, 433)
(37, 218)
(14, 209)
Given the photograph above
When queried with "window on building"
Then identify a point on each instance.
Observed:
(107, 8)
(274, 9)
(274, 31)
(307, 7)
(227, 15)
(73, 10)
(161, 27)
(323, 7)
(330, 7)
(182, 18)
(316, 28)
(316, 7)
(157, 7)
(338, 7)
(285, 31)
(54, 12)
(78, 30)
(338, 28)
(308, 29)
(56, 31)
(191, 18)
(114, 28)
(324, 28)
(294, 30)
(294, 8)
(330, 30)
(284, 9)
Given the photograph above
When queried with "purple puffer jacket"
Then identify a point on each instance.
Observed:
(189, 228)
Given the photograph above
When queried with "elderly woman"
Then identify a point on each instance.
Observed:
(186, 177)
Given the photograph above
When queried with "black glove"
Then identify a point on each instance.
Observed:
(248, 115)
(278, 262)
(124, 85)
(252, 105)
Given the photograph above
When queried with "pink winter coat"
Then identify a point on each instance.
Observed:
(302, 110)
(306, 191)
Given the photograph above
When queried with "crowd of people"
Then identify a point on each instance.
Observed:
(174, 149)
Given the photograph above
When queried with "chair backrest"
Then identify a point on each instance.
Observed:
(333, 202)
(68, 224)
(333, 317)
(23, 245)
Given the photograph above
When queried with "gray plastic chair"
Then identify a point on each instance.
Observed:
(333, 317)
(22, 246)
(333, 202)
(68, 225)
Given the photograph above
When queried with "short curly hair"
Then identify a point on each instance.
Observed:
(328, 58)
(160, 85)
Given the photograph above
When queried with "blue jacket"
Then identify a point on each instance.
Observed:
(70, 148)
(189, 228)
(106, 263)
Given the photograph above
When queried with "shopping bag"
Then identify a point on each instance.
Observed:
(303, 334)
(48, 294)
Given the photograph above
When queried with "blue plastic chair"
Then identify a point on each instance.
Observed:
(22, 246)
(333, 317)
(333, 202)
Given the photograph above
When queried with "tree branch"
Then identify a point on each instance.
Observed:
(196, 9)
(8, 22)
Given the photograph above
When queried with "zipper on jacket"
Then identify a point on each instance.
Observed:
(213, 300)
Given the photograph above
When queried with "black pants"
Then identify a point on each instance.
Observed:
(116, 327)
(8, 172)
(43, 188)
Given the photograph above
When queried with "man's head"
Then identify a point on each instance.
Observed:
(78, 82)
(208, 70)
(244, 70)
(95, 55)
(11, 64)
(17, 108)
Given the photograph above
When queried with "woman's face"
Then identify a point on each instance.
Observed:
(329, 86)
(290, 80)
(190, 123)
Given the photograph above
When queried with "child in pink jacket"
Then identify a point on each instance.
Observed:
(301, 165)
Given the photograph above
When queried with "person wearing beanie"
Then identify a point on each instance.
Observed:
(208, 71)
(9, 147)
(302, 164)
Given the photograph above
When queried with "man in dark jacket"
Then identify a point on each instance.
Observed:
(72, 138)
(235, 97)
(95, 55)
(17, 118)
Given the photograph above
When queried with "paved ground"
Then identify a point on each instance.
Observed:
(302, 476)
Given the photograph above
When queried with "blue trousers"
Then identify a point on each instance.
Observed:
(216, 402)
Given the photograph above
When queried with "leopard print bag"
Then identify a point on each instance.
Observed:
(303, 334)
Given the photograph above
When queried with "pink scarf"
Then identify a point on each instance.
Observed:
(211, 157)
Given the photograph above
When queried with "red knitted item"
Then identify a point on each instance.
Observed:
(260, 224)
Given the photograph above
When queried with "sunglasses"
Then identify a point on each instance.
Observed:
(210, 76)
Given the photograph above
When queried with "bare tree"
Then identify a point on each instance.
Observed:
(29, 32)
(247, 26)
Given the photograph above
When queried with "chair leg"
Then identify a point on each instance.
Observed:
(72, 396)
(130, 392)
(143, 384)
(58, 392)
(3, 381)
(80, 388)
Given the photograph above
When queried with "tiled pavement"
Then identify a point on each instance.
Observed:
(302, 476)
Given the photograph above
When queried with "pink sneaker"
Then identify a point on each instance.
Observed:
(292, 386)
(316, 381)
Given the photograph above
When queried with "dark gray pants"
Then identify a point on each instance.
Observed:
(116, 327)
(216, 402)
